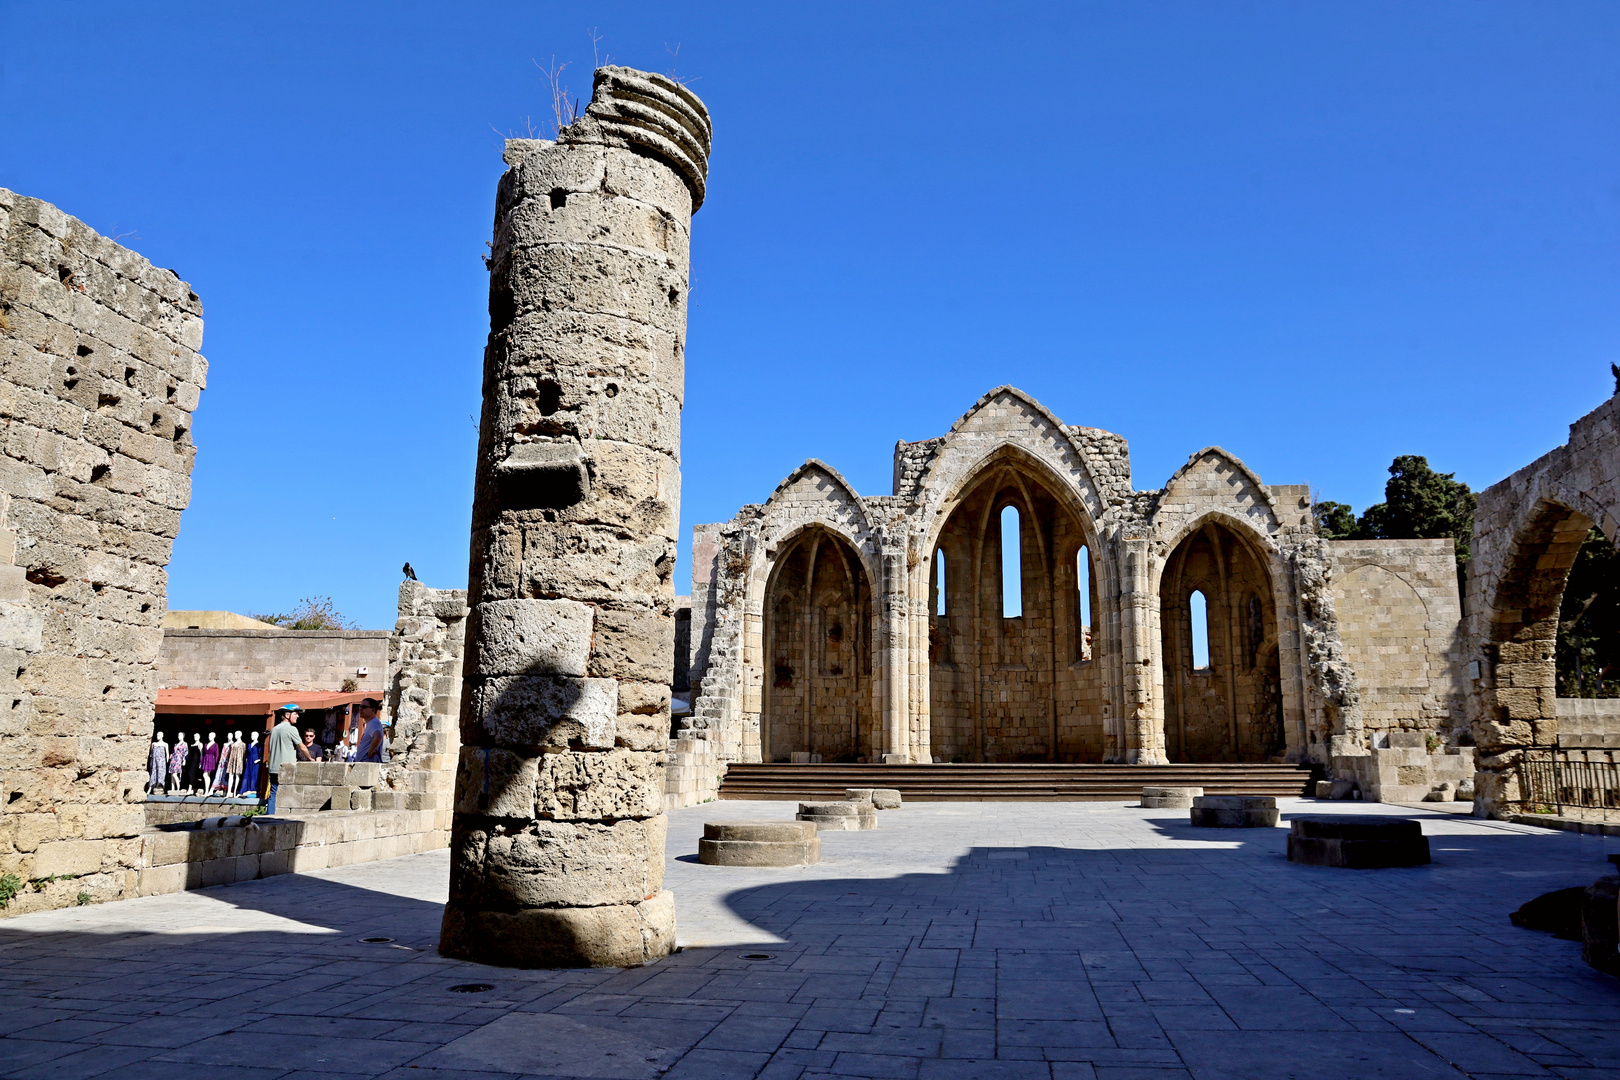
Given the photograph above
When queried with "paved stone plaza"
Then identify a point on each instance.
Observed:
(974, 940)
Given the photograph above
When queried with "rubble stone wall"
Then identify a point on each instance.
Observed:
(99, 376)
(558, 847)
(424, 695)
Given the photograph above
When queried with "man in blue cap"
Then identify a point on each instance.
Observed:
(281, 747)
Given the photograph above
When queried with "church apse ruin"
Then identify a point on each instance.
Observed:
(1016, 599)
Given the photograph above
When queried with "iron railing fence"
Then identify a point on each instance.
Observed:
(1553, 779)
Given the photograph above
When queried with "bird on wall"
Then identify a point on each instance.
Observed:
(409, 573)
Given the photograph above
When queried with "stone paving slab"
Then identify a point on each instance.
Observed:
(975, 940)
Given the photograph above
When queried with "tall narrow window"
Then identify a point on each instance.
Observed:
(1012, 573)
(939, 581)
(1199, 611)
(1082, 577)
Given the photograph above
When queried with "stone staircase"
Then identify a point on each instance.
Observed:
(1014, 783)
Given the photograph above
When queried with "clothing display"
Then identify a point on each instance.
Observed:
(192, 780)
(237, 757)
(218, 779)
(158, 766)
(250, 770)
(210, 759)
(177, 759)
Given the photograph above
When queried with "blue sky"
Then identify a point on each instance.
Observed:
(1317, 234)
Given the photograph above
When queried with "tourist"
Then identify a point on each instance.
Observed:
(281, 748)
(374, 736)
(309, 749)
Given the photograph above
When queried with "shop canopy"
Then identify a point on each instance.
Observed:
(202, 702)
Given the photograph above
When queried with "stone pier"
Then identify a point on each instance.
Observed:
(558, 836)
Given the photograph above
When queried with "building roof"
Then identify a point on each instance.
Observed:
(188, 701)
(213, 620)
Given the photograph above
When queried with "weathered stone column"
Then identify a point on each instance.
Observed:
(558, 838)
(1143, 706)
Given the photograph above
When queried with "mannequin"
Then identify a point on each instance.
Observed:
(217, 784)
(235, 759)
(250, 769)
(157, 765)
(177, 762)
(210, 762)
(193, 778)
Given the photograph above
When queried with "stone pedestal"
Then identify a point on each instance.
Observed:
(1357, 843)
(1234, 811)
(839, 816)
(883, 798)
(1179, 798)
(759, 843)
(557, 846)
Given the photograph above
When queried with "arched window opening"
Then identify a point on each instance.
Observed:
(1082, 577)
(939, 581)
(1012, 571)
(1198, 610)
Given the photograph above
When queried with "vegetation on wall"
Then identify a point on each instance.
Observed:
(312, 613)
(1589, 622)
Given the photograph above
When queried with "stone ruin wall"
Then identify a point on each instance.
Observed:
(1528, 530)
(99, 376)
(424, 697)
(1398, 613)
(558, 844)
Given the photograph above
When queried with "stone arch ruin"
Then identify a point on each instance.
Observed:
(1528, 529)
(974, 685)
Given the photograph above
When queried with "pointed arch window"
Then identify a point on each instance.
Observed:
(1198, 616)
(1082, 577)
(1012, 569)
(939, 581)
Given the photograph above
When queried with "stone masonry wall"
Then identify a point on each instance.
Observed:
(274, 659)
(1399, 610)
(424, 695)
(558, 844)
(99, 376)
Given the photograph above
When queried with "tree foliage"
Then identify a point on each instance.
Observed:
(312, 613)
(1589, 622)
(1335, 520)
(1419, 504)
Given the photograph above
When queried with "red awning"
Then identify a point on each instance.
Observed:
(186, 701)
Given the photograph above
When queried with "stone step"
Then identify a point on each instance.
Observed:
(1021, 782)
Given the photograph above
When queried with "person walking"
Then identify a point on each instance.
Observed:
(374, 735)
(281, 748)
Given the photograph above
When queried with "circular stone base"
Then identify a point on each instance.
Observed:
(839, 816)
(759, 843)
(1235, 812)
(614, 935)
(1179, 798)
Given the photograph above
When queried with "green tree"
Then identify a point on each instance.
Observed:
(1589, 622)
(1421, 504)
(1334, 520)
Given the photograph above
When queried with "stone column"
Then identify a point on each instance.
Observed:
(558, 838)
(1142, 709)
